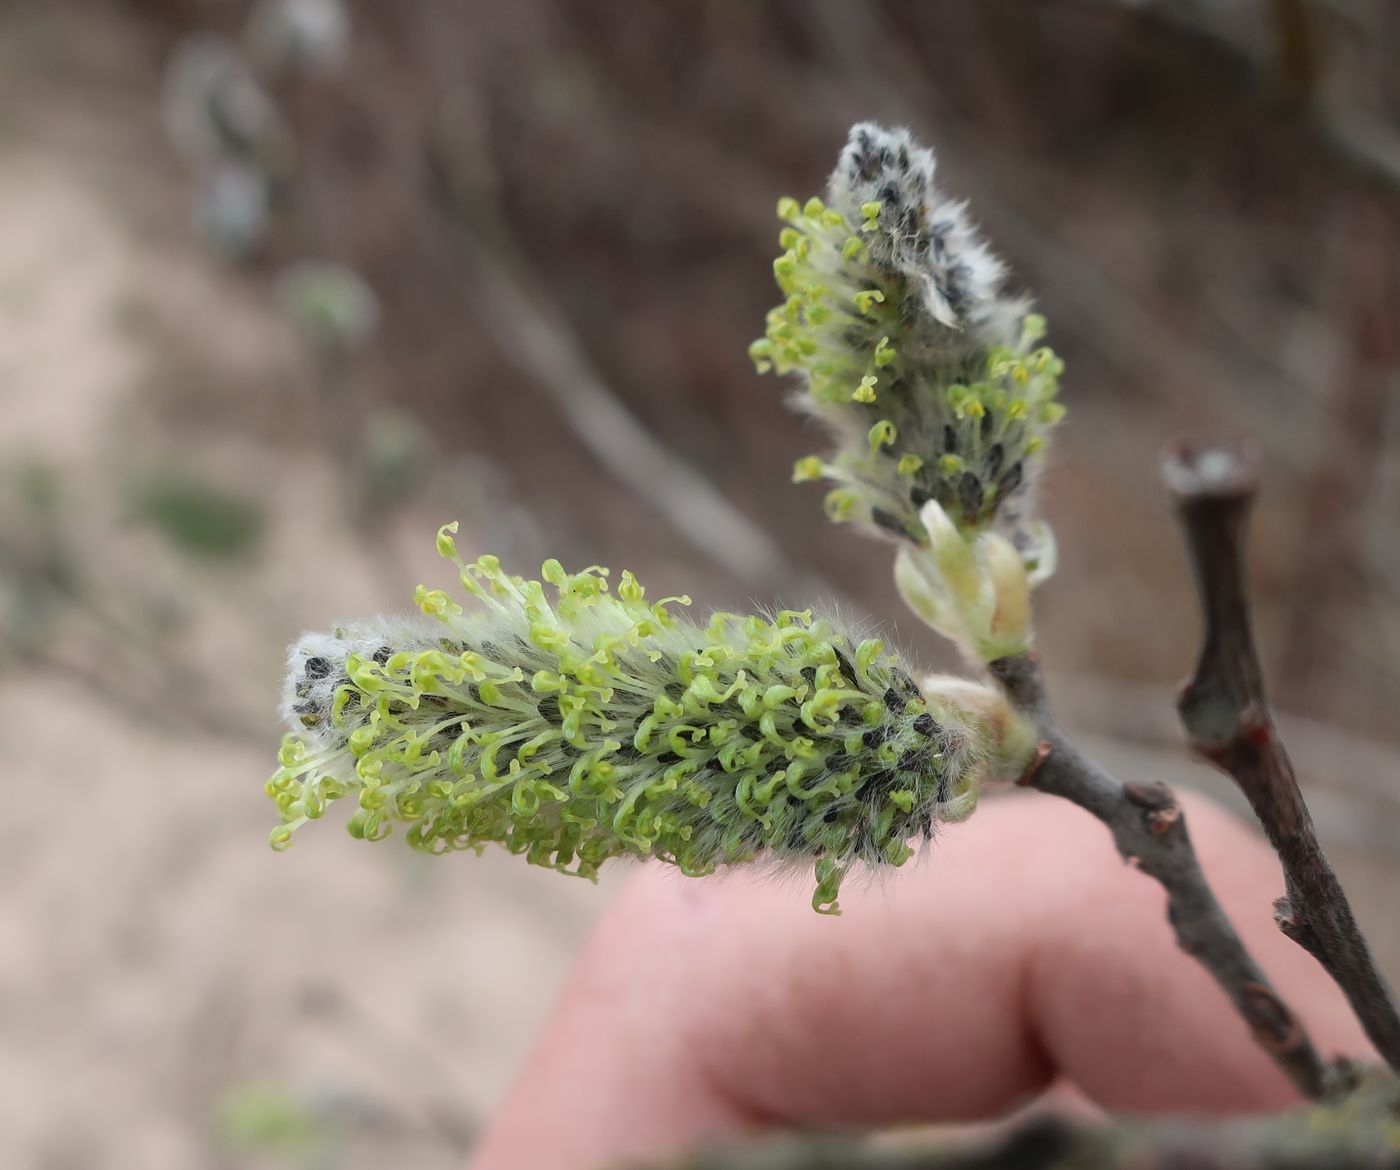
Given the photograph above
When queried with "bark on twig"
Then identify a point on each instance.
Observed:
(1150, 831)
(1226, 715)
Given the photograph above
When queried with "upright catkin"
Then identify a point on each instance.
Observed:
(926, 372)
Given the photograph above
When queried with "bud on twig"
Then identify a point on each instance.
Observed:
(975, 592)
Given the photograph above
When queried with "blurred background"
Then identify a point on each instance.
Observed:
(285, 285)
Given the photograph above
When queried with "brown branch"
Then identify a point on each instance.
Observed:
(1226, 715)
(1150, 831)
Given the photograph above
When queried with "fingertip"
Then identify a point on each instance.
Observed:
(721, 1005)
(614, 1075)
(1022, 948)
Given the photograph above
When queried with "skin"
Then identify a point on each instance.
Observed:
(1019, 955)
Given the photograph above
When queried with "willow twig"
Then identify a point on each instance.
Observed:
(1149, 830)
(1225, 711)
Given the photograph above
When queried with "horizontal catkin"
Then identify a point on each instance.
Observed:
(573, 723)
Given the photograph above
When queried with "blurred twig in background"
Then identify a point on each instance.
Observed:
(540, 339)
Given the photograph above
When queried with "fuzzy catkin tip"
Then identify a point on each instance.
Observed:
(577, 723)
(927, 373)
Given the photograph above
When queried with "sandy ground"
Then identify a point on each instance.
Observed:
(172, 993)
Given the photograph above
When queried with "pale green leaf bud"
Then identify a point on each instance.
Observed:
(974, 590)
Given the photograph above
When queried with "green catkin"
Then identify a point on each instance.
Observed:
(577, 723)
(927, 374)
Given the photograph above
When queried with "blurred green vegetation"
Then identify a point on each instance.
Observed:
(199, 518)
(266, 1118)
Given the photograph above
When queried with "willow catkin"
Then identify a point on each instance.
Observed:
(925, 370)
(575, 723)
